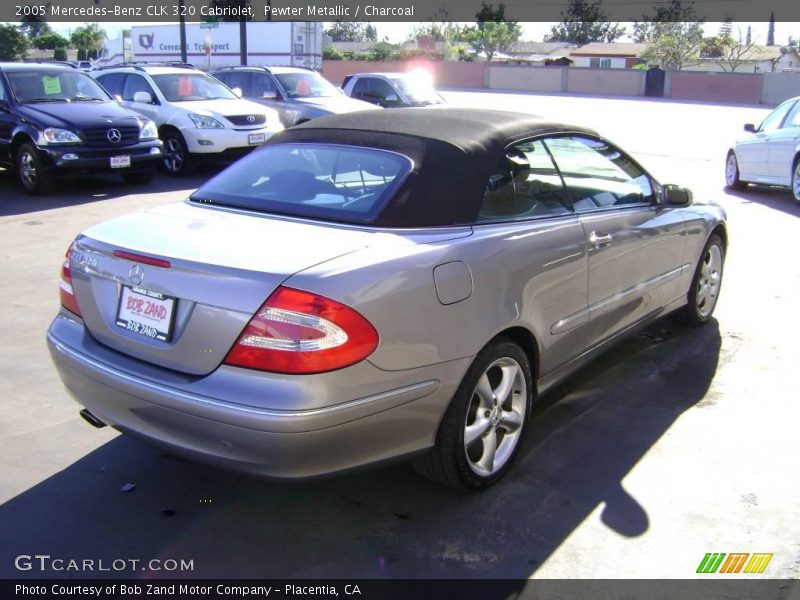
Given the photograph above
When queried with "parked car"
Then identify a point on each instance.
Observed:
(298, 95)
(56, 121)
(197, 116)
(392, 89)
(770, 153)
(85, 65)
(378, 285)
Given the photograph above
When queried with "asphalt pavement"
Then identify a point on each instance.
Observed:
(677, 443)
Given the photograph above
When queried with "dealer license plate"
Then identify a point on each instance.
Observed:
(256, 138)
(120, 162)
(146, 313)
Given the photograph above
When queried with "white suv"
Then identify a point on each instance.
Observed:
(196, 115)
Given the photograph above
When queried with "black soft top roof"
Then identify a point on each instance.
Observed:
(454, 151)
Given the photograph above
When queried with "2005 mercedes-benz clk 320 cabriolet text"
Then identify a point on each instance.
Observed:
(398, 283)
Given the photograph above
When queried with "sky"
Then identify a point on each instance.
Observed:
(533, 32)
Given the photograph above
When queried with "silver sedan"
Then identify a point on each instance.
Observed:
(376, 286)
(770, 153)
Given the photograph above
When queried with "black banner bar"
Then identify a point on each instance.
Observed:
(152, 11)
(735, 587)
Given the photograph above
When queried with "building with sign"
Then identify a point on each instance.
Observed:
(214, 45)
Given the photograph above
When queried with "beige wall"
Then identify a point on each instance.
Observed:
(606, 82)
(779, 87)
(445, 74)
(767, 88)
(529, 79)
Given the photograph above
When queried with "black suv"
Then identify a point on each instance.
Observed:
(57, 121)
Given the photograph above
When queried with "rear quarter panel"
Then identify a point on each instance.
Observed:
(528, 274)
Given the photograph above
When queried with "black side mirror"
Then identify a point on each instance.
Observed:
(676, 195)
(4, 106)
(749, 127)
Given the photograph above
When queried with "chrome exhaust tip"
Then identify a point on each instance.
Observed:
(91, 419)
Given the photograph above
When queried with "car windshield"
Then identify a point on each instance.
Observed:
(419, 90)
(40, 85)
(340, 183)
(306, 84)
(187, 87)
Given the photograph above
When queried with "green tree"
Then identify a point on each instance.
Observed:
(343, 31)
(88, 38)
(585, 22)
(726, 29)
(771, 30)
(35, 25)
(492, 33)
(674, 35)
(60, 54)
(735, 50)
(50, 41)
(13, 43)
(371, 33)
(665, 20)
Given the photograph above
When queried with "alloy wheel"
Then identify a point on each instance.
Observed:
(27, 169)
(173, 155)
(495, 416)
(731, 170)
(709, 281)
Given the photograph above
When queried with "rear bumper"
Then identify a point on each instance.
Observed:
(195, 416)
(81, 160)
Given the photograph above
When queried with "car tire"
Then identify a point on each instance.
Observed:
(732, 180)
(139, 178)
(481, 432)
(176, 160)
(30, 173)
(796, 180)
(706, 284)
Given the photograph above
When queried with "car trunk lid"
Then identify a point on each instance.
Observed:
(193, 274)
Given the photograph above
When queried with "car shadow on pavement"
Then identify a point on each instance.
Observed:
(73, 192)
(776, 198)
(584, 438)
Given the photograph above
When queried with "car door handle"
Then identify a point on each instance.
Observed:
(600, 239)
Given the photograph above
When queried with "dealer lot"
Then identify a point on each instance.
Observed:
(677, 443)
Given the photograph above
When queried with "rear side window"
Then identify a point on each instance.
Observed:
(112, 82)
(339, 183)
(524, 185)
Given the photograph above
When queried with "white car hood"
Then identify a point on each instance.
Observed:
(225, 108)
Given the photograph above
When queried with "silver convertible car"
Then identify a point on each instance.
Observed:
(374, 286)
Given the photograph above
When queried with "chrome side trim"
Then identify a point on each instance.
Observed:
(612, 302)
(571, 322)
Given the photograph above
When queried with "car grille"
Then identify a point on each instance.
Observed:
(245, 120)
(98, 136)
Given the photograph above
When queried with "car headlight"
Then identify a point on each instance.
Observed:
(204, 122)
(54, 135)
(149, 131)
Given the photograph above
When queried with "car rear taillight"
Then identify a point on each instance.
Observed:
(299, 332)
(66, 291)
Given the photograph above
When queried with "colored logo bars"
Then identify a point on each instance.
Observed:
(717, 562)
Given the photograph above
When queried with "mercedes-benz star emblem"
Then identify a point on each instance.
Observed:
(251, 118)
(114, 136)
(136, 274)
